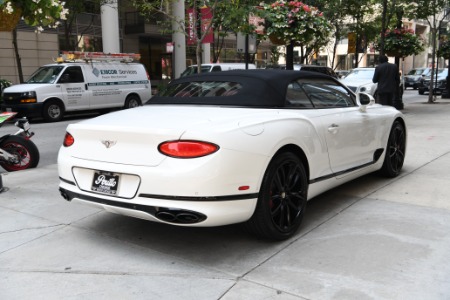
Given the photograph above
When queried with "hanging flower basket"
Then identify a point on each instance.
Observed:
(287, 21)
(36, 13)
(393, 53)
(276, 40)
(401, 43)
(8, 21)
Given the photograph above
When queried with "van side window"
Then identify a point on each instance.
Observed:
(216, 69)
(72, 74)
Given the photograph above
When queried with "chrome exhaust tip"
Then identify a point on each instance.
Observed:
(179, 216)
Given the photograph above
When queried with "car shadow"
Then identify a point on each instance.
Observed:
(213, 246)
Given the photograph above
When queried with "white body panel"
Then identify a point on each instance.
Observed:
(248, 140)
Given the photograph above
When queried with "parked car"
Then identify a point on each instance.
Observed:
(215, 150)
(342, 73)
(359, 80)
(216, 67)
(311, 68)
(440, 83)
(414, 77)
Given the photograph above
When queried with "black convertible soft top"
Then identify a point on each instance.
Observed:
(259, 88)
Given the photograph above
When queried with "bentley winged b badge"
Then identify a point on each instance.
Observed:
(108, 144)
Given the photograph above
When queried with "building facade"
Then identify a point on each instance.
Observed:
(145, 37)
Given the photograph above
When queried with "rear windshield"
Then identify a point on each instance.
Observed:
(202, 89)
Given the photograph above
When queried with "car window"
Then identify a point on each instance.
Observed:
(296, 97)
(73, 74)
(326, 93)
(216, 69)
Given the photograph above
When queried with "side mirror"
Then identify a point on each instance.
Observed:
(364, 100)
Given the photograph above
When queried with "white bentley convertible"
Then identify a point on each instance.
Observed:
(231, 147)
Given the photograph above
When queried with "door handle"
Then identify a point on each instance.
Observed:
(333, 128)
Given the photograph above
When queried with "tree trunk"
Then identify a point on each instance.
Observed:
(290, 56)
(398, 101)
(16, 52)
(337, 36)
(447, 86)
(383, 26)
(433, 61)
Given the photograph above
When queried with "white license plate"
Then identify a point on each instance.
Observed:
(105, 182)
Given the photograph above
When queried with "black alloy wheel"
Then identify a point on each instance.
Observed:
(282, 199)
(395, 151)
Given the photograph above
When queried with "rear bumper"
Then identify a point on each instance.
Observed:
(181, 213)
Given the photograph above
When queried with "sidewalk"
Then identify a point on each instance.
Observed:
(372, 238)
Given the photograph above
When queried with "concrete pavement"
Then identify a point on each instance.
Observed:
(373, 238)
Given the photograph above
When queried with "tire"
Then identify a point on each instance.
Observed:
(421, 92)
(53, 111)
(26, 150)
(395, 151)
(132, 101)
(282, 199)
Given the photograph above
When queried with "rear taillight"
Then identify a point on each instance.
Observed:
(187, 149)
(68, 140)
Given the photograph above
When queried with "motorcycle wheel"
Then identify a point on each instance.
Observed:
(26, 150)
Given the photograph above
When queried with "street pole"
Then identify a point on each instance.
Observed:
(179, 39)
(247, 56)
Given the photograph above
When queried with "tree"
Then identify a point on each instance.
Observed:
(434, 12)
(232, 17)
(39, 14)
(294, 23)
(194, 28)
(76, 7)
(334, 14)
(365, 22)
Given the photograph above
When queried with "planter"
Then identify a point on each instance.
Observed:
(9, 21)
(276, 40)
(394, 53)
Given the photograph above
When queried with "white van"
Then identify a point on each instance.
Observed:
(216, 68)
(94, 82)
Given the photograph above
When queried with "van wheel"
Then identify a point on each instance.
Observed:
(132, 101)
(53, 111)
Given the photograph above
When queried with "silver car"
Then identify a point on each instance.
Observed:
(359, 80)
